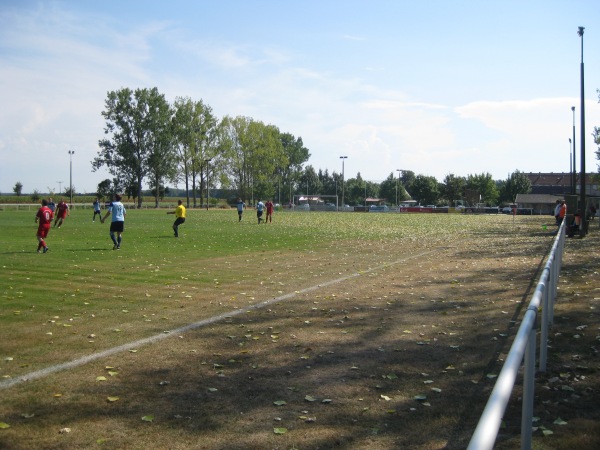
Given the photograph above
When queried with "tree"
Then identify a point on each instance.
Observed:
(453, 188)
(425, 190)
(392, 190)
(516, 183)
(197, 133)
(35, 196)
(18, 189)
(483, 188)
(105, 189)
(254, 154)
(135, 122)
(296, 154)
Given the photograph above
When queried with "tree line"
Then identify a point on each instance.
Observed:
(149, 140)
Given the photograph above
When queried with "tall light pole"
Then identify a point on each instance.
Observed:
(343, 158)
(583, 231)
(397, 183)
(574, 173)
(571, 163)
(59, 186)
(207, 161)
(71, 153)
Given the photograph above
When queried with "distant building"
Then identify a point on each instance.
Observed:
(560, 183)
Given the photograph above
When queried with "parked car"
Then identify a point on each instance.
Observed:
(302, 207)
(379, 208)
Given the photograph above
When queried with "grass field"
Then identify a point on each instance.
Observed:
(329, 326)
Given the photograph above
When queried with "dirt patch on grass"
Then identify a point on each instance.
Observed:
(398, 351)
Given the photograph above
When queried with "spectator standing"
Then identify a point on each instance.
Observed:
(557, 212)
(562, 212)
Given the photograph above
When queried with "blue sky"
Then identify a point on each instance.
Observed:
(436, 87)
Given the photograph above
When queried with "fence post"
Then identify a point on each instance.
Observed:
(528, 390)
(545, 323)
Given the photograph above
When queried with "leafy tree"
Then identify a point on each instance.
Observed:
(35, 196)
(197, 133)
(407, 179)
(517, 183)
(484, 189)
(309, 182)
(425, 190)
(254, 153)
(355, 190)
(135, 122)
(296, 154)
(453, 188)
(18, 189)
(392, 190)
(105, 189)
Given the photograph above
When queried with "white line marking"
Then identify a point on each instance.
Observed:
(192, 326)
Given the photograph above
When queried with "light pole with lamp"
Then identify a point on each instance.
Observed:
(583, 228)
(71, 153)
(574, 172)
(59, 186)
(343, 158)
(397, 183)
(207, 191)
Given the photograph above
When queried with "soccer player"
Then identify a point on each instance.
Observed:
(179, 217)
(51, 205)
(117, 224)
(269, 206)
(62, 210)
(240, 209)
(260, 206)
(44, 218)
(96, 209)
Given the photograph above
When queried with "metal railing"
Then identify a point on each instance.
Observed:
(523, 350)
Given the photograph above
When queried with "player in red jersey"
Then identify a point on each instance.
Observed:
(62, 211)
(269, 205)
(44, 218)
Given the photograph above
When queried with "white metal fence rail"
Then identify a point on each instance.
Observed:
(523, 350)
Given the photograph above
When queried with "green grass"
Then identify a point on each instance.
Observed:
(81, 287)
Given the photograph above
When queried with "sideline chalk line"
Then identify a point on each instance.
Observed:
(192, 326)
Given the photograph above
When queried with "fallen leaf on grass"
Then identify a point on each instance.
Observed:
(280, 402)
(4, 425)
(310, 398)
(100, 378)
(559, 421)
(148, 418)
(112, 399)
(280, 430)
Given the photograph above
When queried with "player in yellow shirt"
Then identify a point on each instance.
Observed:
(179, 217)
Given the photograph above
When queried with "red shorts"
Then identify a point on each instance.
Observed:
(43, 231)
(62, 215)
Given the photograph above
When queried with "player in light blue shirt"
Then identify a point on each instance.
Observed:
(117, 225)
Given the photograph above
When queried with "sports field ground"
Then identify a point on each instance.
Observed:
(320, 330)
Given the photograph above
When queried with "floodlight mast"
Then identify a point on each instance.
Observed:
(343, 158)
